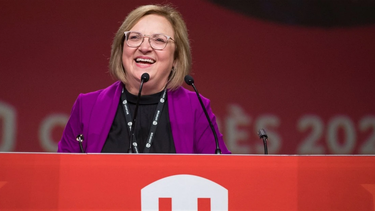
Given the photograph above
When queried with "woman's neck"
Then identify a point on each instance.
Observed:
(146, 90)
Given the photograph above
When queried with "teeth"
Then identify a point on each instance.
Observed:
(144, 60)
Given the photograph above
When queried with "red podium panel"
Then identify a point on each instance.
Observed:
(114, 181)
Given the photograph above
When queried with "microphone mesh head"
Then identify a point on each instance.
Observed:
(189, 80)
(262, 133)
(145, 77)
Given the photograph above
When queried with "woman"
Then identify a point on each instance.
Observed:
(153, 39)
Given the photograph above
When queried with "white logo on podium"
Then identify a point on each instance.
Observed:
(184, 190)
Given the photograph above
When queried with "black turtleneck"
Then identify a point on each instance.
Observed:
(118, 137)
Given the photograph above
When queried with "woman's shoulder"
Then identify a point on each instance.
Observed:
(182, 92)
(186, 96)
(105, 92)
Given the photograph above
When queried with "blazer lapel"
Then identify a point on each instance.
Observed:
(182, 120)
(102, 116)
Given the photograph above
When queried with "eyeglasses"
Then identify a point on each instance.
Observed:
(157, 41)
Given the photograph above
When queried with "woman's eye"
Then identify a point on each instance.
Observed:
(133, 37)
(160, 40)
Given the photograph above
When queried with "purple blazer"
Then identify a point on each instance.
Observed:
(93, 113)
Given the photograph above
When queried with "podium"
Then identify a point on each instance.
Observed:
(46, 181)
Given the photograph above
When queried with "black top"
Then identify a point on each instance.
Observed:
(118, 137)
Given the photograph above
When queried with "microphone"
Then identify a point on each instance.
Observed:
(190, 81)
(263, 135)
(132, 142)
(79, 138)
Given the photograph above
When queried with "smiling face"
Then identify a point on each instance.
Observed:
(144, 59)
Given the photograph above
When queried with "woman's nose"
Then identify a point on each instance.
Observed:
(145, 45)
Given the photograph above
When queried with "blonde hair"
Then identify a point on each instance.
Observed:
(182, 54)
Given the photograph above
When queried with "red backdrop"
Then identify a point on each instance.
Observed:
(311, 88)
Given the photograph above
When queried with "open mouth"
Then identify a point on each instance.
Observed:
(144, 61)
